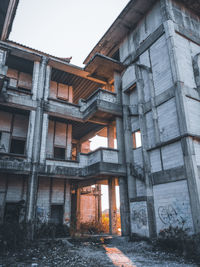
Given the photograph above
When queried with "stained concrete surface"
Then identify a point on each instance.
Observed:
(93, 251)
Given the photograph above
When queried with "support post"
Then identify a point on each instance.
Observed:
(112, 207)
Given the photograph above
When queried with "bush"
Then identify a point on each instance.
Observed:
(177, 239)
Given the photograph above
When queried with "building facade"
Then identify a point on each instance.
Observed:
(140, 85)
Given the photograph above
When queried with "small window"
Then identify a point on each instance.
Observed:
(59, 153)
(17, 146)
(137, 141)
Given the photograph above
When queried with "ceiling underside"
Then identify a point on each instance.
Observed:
(82, 87)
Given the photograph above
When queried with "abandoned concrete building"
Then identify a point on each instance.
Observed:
(141, 86)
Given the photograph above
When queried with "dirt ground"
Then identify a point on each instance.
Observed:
(93, 251)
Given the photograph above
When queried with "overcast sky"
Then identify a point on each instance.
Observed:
(64, 28)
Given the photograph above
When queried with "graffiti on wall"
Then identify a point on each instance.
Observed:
(139, 218)
(42, 215)
(169, 215)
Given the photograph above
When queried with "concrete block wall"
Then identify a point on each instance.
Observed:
(172, 206)
(156, 111)
(53, 191)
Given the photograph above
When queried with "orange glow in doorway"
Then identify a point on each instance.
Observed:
(118, 258)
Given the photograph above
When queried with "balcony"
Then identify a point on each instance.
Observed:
(101, 105)
(101, 162)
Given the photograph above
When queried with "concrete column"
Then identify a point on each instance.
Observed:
(38, 86)
(112, 207)
(111, 135)
(47, 82)
(69, 142)
(43, 149)
(123, 187)
(78, 208)
(30, 135)
(124, 207)
(35, 78)
(67, 204)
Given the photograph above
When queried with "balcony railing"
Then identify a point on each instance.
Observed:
(99, 94)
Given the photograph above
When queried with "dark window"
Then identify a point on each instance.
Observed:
(17, 146)
(57, 214)
(59, 153)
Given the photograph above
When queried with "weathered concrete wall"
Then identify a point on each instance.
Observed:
(160, 111)
(53, 191)
(87, 208)
(139, 218)
(172, 205)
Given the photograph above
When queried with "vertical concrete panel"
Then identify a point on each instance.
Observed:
(69, 142)
(50, 139)
(162, 76)
(139, 218)
(172, 156)
(155, 160)
(193, 109)
(172, 205)
(150, 129)
(44, 138)
(197, 151)
(43, 199)
(128, 77)
(14, 188)
(30, 134)
(184, 61)
(67, 204)
(58, 191)
(168, 120)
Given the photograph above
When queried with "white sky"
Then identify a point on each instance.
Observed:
(64, 28)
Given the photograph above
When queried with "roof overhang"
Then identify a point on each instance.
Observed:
(7, 13)
(125, 22)
(103, 67)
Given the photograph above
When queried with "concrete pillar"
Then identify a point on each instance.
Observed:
(112, 207)
(78, 208)
(123, 187)
(35, 79)
(43, 149)
(47, 82)
(124, 207)
(67, 204)
(111, 135)
(69, 142)
(38, 91)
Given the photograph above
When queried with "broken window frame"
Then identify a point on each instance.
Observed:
(13, 137)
